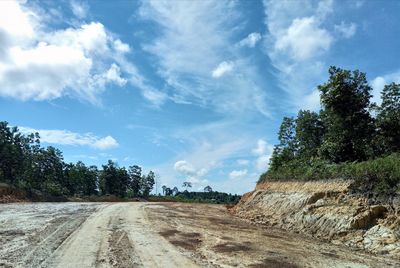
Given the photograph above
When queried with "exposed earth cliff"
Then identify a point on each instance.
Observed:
(326, 210)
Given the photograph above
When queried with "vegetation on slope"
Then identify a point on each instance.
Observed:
(350, 138)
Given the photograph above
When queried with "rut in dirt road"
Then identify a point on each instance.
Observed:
(157, 235)
(116, 236)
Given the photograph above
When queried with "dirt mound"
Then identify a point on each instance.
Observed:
(324, 210)
(9, 194)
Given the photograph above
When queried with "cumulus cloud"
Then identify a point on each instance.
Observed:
(251, 40)
(222, 68)
(263, 151)
(184, 167)
(304, 39)
(297, 44)
(190, 172)
(65, 137)
(379, 82)
(238, 174)
(80, 61)
(346, 30)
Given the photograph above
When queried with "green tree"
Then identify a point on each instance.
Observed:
(287, 148)
(175, 190)
(345, 100)
(187, 185)
(309, 133)
(147, 183)
(12, 144)
(388, 119)
(208, 189)
(135, 174)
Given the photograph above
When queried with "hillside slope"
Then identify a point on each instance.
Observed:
(326, 210)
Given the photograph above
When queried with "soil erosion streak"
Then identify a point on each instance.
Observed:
(115, 235)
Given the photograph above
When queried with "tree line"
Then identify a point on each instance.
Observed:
(207, 196)
(27, 165)
(348, 129)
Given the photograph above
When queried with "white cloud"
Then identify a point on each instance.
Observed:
(262, 162)
(80, 9)
(304, 39)
(191, 174)
(311, 101)
(222, 68)
(346, 30)
(121, 47)
(379, 82)
(192, 39)
(184, 167)
(251, 40)
(297, 44)
(65, 137)
(238, 174)
(263, 151)
(261, 147)
(41, 64)
(242, 162)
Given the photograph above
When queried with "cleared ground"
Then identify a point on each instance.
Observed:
(156, 235)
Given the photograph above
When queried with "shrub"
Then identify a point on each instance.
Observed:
(378, 176)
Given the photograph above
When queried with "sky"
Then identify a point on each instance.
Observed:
(193, 90)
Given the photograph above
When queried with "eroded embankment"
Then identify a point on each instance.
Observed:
(325, 210)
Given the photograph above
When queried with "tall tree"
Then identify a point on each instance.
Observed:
(287, 148)
(208, 189)
(309, 133)
(175, 190)
(147, 183)
(135, 174)
(345, 100)
(388, 119)
(187, 185)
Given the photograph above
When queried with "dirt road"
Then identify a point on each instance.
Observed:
(156, 235)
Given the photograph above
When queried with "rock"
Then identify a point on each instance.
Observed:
(335, 216)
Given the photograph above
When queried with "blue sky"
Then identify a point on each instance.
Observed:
(194, 90)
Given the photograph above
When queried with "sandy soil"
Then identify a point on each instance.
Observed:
(156, 235)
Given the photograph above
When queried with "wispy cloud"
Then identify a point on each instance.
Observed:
(238, 174)
(193, 45)
(251, 40)
(222, 68)
(79, 8)
(65, 137)
(347, 30)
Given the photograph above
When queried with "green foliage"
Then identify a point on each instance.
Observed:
(25, 164)
(198, 197)
(309, 133)
(288, 144)
(345, 100)
(388, 119)
(381, 175)
(343, 140)
(209, 197)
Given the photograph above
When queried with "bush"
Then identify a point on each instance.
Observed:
(378, 176)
